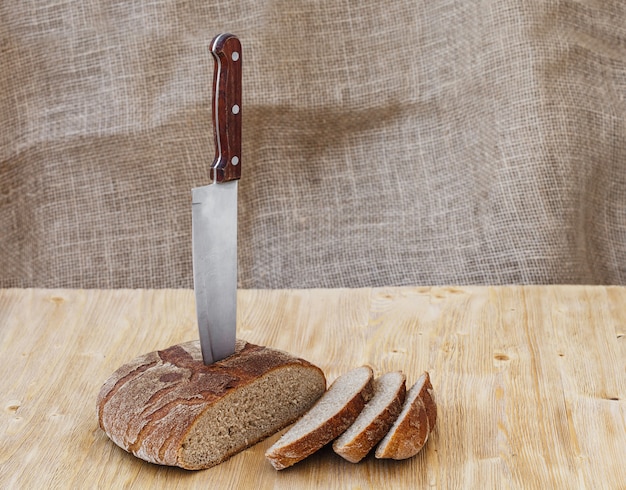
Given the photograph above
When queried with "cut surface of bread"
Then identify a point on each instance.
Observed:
(410, 431)
(167, 407)
(332, 414)
(375, 420)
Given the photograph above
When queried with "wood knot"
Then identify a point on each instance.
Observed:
(398, 351)
(13, 406)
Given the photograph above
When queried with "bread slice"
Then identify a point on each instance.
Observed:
(333, 413)
(168, 408)
(376, 418)
(410, 431)
(427, 396)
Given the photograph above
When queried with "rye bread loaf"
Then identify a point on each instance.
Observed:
(167, 407)
(411, 429)
(376, 418)
(332, 414)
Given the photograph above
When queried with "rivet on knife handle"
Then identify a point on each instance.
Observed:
(226, 50)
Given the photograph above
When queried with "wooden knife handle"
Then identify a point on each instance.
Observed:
(226, 49)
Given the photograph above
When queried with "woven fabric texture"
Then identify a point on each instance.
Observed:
(385, 142)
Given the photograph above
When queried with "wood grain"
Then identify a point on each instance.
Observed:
(530, 382)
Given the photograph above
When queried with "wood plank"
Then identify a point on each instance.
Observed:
(530, 382)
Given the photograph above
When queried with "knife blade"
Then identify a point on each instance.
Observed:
(214, 210)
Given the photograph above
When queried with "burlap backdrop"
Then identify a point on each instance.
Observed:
(385, 142)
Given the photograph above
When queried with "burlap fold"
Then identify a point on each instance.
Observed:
(385, 142)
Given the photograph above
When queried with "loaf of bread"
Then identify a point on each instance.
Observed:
(333, 413)
(411, 429)
(167, 407)
(375, 420)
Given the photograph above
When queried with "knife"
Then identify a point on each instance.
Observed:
(214, 210)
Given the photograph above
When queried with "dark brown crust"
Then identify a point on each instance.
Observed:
(285, 456)
(411, 433)
(371, 435)
(427, 396)
(148, 405)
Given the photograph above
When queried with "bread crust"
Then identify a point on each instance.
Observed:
(427, 395)
(411, 430)
(150, 404)
(282, 456)
(355, 449)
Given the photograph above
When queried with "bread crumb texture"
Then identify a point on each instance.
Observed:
(409, 433)
(357, 414)
(167, 407)
(375, 419)
(333, 413)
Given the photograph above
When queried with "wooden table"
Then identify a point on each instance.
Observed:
(530, 383)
